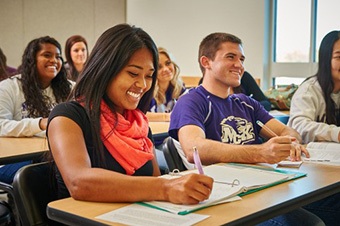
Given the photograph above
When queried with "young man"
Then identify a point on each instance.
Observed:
(222, 126)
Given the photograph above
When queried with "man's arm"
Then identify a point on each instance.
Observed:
(211, 151)
(280, 129)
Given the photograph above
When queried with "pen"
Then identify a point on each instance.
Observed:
(197, 161)
(266, 128)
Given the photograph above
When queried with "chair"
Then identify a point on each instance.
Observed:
(5, 214)
(171, 155)
(32, 192)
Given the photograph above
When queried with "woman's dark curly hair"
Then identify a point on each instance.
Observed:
(37, 103)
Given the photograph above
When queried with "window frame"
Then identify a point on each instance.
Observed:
(291, 69)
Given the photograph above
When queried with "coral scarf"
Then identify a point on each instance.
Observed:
(128, 143)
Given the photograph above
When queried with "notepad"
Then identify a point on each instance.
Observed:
(230, 180)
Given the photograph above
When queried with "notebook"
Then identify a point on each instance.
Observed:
(230, 180)
(320, 152)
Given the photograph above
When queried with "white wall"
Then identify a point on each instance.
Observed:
(23, 20)
(180, 25)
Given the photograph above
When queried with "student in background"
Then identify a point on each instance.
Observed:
(223, 126)
(169, 87)
(250, 88)
(315, 107)
(27, 98)
(5, 71)
(100, 141)
(76, 53)
(315, 114)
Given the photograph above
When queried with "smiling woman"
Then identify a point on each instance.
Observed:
(76, 52)
(27, 98)
(315, 107)
(100, 141)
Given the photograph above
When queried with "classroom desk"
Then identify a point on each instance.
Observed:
(321, 181)
(159, 129)
(21, 149)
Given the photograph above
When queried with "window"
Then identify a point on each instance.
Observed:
(292, 31)
(328, 19)
(279, 81)
(297, 30)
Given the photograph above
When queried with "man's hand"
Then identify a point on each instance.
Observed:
(297, 149)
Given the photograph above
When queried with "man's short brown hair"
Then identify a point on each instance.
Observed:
(211, 44)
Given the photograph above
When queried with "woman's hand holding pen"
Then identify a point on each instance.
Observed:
(188, 189)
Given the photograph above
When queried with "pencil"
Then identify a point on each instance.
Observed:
(266, 128)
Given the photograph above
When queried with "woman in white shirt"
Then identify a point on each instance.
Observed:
(28, 98)
(315, 107)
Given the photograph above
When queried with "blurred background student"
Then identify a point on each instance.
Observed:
(5, 71)
(315, 107)
(250, 88)
(28, 98)
(76, 53)
(169, 87)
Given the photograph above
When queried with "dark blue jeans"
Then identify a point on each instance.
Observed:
(328, 209)
(299, 217)
(7, 172)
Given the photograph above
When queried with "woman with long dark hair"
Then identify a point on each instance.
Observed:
(28, 98)
(5, 71)
(76, 52)
(315, 107)
(314, 113)
(101, 142)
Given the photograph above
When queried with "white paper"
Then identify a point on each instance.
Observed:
(277, 113)
(136, 214)
(323, 152)
(288, 163)
(221, 193)
(324, 145)
(248, 177)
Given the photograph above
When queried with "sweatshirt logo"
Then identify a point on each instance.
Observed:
(25, 113)
(236, 130)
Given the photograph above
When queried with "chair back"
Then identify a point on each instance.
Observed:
(32, 192)
(171, 155)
